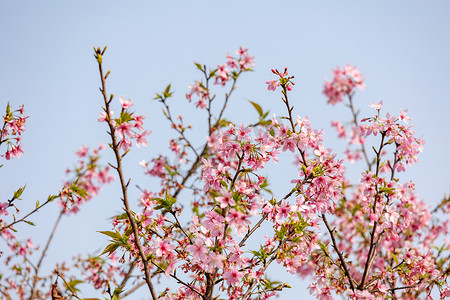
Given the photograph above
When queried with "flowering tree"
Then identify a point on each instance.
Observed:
(369, 238)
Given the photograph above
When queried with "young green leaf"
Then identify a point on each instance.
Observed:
(257, 107)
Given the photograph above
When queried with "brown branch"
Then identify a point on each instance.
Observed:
(115, 147)
(263, 218)
(41, 259)
(291, 120)
(30, 213)
(174, 126)
(179, 280)
(132, 290)
(227, 97)
(406, 287)
(128, 275)
(341, 258)
(355, 121)
(372, 249)
(74, 294)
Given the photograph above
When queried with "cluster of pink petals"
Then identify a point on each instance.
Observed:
(128, 129)
(88, 175)
(284, 80)
(224, 73)
(11, 132)
(344, 82)
(199, 91)
(101, 273)
(407, 146)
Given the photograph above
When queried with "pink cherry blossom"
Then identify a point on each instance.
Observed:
(126, 104)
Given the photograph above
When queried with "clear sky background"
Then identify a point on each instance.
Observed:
(401, 47)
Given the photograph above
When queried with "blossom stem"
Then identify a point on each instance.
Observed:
(355, 122)
(74, 294)
(174, 126)
(291, 120)
(263, 218)
(124, 186)
(341, 258)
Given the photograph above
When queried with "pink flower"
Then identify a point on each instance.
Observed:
(214, 260)
(272, 84)
(241, 51)
(404, 117)
(198, 249)
(103, 116)
(124, 144)
(140, 138)
(226, 199)
(125, 103)
(3, 207)
(376, 106)
(233, 276)
(124, 129)
(82, 152)
(164, 248)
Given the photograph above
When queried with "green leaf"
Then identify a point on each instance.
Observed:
(157, 97)
(167, 92)
(257, 107)
(78, 190)
(199, 66)
(387, 190)
(37, 204)
(19, 192)
(395, 258)
(124, 117)
(212, 73)
(73, 284)
(52, 197)
(115, 235)
(129, 231)
(323, 247)
(122, 216)
(165, 204)
(29, 223)
(110, 248)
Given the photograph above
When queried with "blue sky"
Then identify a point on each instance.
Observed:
(402, 49)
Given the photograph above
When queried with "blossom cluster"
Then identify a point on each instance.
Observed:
(285, 81)
(11, 132)
(99, 272)
(344, 82)
(224, 73)
(128, 126)
(88, 178)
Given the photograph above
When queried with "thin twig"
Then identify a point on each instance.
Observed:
(74, 294)
(341, 258)
(30, 213)
(41, 259)
(132, 290)
(355, 121)
(263, 218)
